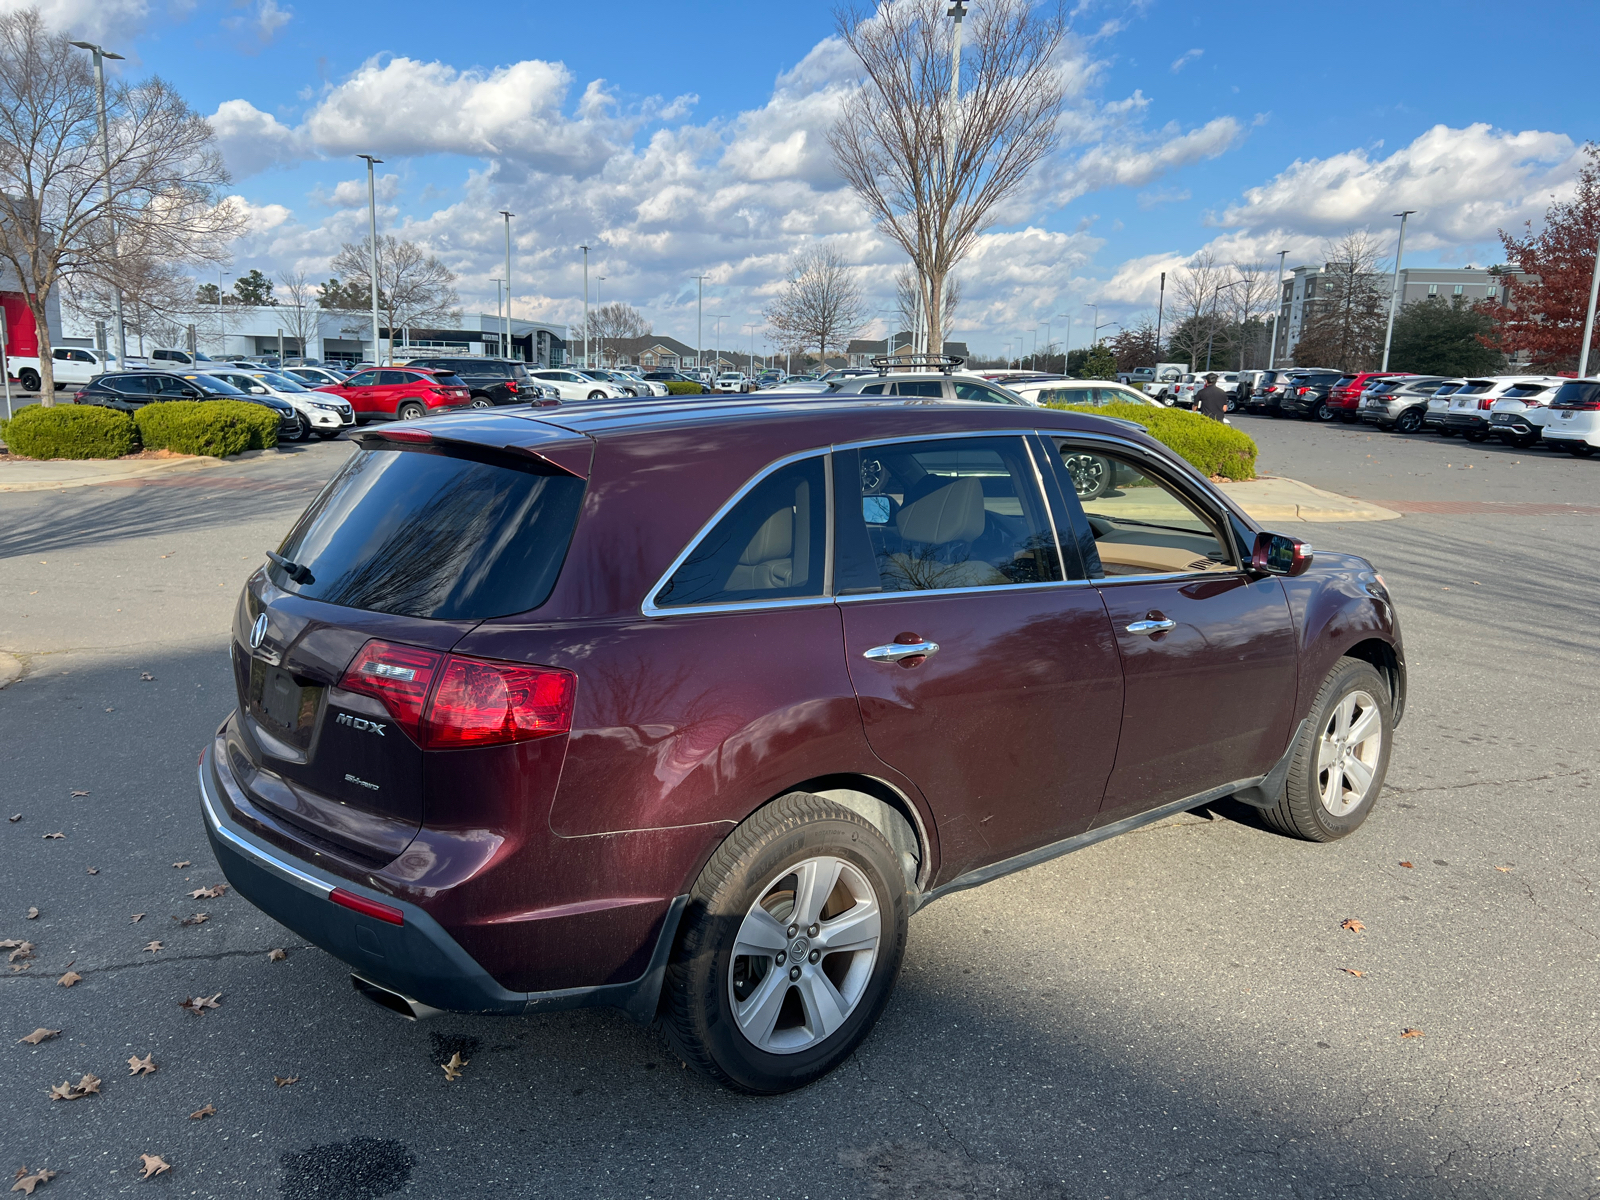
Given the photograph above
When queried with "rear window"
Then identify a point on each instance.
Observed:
(447, 379)
(1523, 390)
(1576, 395)
(1473, 389)
(432, 533)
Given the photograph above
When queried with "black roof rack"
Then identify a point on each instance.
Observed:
(928, 362)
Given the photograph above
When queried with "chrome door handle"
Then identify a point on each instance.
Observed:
(1152, 626)
(895, 651)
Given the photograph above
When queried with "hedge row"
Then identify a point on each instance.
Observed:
(678, 388)
(1212, 447)
(212, 427)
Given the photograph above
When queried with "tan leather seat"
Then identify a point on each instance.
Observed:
(768, 561)
(943, 525)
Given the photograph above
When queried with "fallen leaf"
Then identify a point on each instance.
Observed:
(62, 1091)
(1504, 870)
(77, 793)
(1353, 971)
(50, 836)
(87, 1086)
(285, 1080)
(277, 955)
(146, 676)
(1406, 865)
(27, 1181)
(197, 919)
(210, 893)
(154, 1164)
(152, 947)
(183, 864)
(23, 950)
(1405, 1033)
(14, 819)
(452, 1069)
(198, 1004)
(141, 1066)
(199, 1113)
(1353, 925)
(70, 978)
(7, 943)
(33, 914)
(40, 1034)
(111, 710)
(137, 917)
(94, 870)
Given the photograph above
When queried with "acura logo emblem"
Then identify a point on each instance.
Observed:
(258, 631)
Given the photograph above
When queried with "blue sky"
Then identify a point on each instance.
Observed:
(687, 140)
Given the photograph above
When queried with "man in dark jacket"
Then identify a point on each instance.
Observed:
(1212, 400)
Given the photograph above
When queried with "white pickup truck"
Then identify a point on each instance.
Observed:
(1162, 380)
(72, 366)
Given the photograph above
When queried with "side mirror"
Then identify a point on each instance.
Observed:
(1276, 554)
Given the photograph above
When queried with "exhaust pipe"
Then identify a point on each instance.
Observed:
(411, 1010)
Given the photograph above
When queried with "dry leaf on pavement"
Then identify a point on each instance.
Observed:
(33, 914)
(40, 1034)
(197, 919)
(452, 1069)
(1406, 865)
(277, 955)
(285, 1080)
(154, 1164)
(7, 943)
(27, 1180)
(1405, 1033)
(23, 950)
(94, 870)
(183, 864)
(209, 1110)
(50, 836)
(152, 947)
(1353, 925)
(14, 818)
(70, 978)
(146, 676)
(210, 893)
(141, 1066)
(76, 792)
(1505, 870)
(1353, 971)
(87, 1086)
(137, 917)
(198, 1004)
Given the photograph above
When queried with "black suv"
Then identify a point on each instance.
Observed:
(1308, 394)
(129, 391)
(491, 380)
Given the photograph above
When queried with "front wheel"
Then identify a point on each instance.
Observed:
(1340, 759)
(302, 428)
(597, 395)
(789, 948)
(29, 379)
(1091, 475)
(411, 411)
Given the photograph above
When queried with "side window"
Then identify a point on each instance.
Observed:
(170, 387)
(392, 378)
(875, 389)
(967, 390)
(131, 385)
(1142, 524)
(957, 513)
(932, 388)
(769, 546)
(364, 379)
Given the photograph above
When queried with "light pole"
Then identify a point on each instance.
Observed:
(700, 322)
(716, 350)
(372, 231)
(1588, 321)
(600, 337)
(1212, 332)
(957, 11)
(1394, 294)
(1096, 337)
(510, 351)
(1277, 312)
(1161, 308)
(585, 250)
(751, 326)
(497, 283)
(100, 55)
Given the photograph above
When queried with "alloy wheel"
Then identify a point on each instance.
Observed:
(804, 955)
(1409, 421)
(481, 402)
(1348, 752)
(1089, 474)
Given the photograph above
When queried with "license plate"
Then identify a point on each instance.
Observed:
(282, 705)
(1566, 416)
(1500, 419)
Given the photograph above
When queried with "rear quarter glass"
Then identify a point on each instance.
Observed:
(436, 533)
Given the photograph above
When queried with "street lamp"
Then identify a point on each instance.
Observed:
(1211, 333)
(100, 55)
(957, 11)
(752, 326)
(1277, 311)
(716, 350)
(700, 322)
(372, 224)
(510, 352)
(600, 337)
(585, 250)
(1394, 294)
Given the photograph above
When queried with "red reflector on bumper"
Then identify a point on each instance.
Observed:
(370, 908)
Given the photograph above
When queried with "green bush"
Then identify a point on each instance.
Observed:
(70, 431)
(216, 428)
(675, 388)
(1212, 447)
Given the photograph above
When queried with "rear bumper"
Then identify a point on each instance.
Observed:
(1467, 422)
(417, 959)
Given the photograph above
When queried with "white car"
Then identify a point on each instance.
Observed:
(574, 385)
(321, 413)
(1098, 392)
(314, 377)
(1184, 392)
(72, 366)
(1471, 405)
(1573, 420)
(1518, 417)
(732, 381)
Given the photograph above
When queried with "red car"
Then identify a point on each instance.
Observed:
(1344, 398)
(401, 393)
(686, 706)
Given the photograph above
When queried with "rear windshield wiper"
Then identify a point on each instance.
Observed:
(295, 572)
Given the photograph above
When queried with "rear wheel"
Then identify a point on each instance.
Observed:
(482, 402)
(1408, 422)
(411, 411)
(1091, 475)
(1322, 412)
(29, 379)
(789, 948)
(1340, 758)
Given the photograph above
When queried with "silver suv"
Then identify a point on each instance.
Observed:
(1398, 404)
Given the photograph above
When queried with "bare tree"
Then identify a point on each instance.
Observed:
(618, 320)
(300, 314)
(821, 304)
(1344, 324)
(1253, 295)
(414, 287)
(907, 291)
(157, 296)
(1195, 295)
(932, 171)
(55, 219)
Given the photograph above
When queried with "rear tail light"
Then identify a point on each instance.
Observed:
(370, 908)
(1486, 402)
(1301, 391)
(448, 702)
(511, 386)
(77, 397)
(1580, 405)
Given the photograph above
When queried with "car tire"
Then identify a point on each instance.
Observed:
(411, 410)
(1318, 803)
(597, 395)
(1091, 475)
(1408, 422)
(1580, 449)
(302, 428)
(481, 402)
(29, 379)
(1322, 412)
(746, 1020)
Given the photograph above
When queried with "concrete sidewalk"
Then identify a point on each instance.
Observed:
(48, 475)
(1276, 499)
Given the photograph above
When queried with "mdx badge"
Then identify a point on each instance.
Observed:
(360, 723)
(258, 632)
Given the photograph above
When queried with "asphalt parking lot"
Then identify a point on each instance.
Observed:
(1175, 1013)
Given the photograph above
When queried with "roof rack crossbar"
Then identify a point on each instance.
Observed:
(934, 362)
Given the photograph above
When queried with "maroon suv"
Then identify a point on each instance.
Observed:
(686, 706)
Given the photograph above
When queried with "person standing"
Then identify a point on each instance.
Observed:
(1211, 400)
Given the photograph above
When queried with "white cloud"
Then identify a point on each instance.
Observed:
(252, 140)
(352, 193)
(1184, 59)
(113, 22)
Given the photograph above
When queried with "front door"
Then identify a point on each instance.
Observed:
(1208, 650)
(362, 391)
(1010, 726)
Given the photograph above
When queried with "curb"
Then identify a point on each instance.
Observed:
(1277, 498)
(111, 475)
(10, 669)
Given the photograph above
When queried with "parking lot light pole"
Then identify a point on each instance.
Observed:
(1277, 312)
(600, 338)
(716, 351)
(1588, 321)
(372, 224)
(585, 250)
(100, 55)
(1394, 294)
(700, 323)
(510, 352)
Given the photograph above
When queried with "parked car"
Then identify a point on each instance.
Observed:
(671, 377)
(472, 754)
(316, 376)
(1439, 403)
(1269, 389)
(573, 384)
(490, 381)
(770, 379)
(929, 385)
(193, 359)
(1518, 416)
(1398, 403)
(1573, 422)
(732, 381)
(129, 391)
(1344, 397)
(321, 414)
(1308, 394)
(73, 365)
(1184, 392)
(1097, 392)
(1472, 403)
(400, 393)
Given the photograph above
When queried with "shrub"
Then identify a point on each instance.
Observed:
(213, 427)
(1210, 446)
(676, 388)
(70, 431)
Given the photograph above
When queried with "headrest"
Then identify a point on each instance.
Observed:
(952, 513)
(775, 539)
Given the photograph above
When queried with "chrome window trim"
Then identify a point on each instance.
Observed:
(1032, 447)
(1001, 589)
(649, 607)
